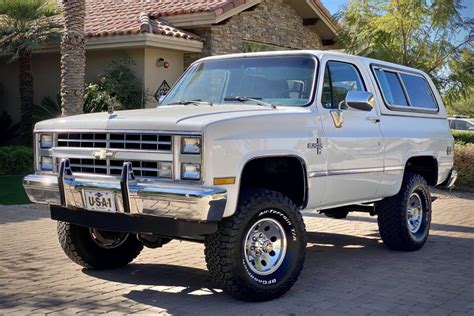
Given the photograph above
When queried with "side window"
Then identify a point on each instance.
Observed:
(339, 79)
(462, 125)
(418, 91)
(391, 87)
(405, 90)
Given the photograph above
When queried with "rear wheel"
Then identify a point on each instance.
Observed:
(404, 219)
(258, 253)
(97, 249)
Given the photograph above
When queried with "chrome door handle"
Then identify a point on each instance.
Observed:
(374, 119)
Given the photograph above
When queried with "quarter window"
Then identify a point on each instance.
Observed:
(391, 87)
(339, 79)
(405, 90)
(418, 91)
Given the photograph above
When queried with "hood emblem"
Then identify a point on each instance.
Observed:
(110, 109)
(103, 154)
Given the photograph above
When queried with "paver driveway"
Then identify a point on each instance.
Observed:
(347, 271)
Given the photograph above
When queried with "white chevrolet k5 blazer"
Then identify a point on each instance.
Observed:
(239, 147)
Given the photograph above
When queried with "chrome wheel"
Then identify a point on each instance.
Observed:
(107, 240)
(265, 246)
(414, 213)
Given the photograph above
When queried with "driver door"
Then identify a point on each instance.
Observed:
(354, 141)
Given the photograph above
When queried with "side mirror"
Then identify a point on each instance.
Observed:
(360, 100)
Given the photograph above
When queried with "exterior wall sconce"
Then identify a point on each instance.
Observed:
(161, 63)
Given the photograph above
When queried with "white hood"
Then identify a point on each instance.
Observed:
(164, 118)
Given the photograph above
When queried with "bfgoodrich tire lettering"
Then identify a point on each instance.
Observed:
(78, 244)
(225, 252)
(393, 215)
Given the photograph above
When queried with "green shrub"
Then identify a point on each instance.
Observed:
(464, 164)
(16, 160)
(464, 137)
(121, 83)
(48, 109)
(96, 99)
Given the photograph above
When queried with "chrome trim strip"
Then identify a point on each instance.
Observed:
(394, 168)
(113, 131)
(315, 174)
(448, 164)
(354, 171)
(338, 172)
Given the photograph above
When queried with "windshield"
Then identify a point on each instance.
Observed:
(281, 80)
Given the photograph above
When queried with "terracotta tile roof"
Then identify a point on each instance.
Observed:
(122, 17)
(115, 17)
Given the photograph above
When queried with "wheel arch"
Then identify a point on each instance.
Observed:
(299, 194)
(426, 166)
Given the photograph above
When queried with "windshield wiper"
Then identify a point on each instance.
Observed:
(258, 101)
(195, 102)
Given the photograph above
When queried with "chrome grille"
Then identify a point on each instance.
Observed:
(148, 169)
(135, 141)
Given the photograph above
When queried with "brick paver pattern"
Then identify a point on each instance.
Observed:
(348, 270)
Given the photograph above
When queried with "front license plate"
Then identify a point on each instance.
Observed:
(100, 201)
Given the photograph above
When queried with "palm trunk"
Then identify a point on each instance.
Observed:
(73, 57)
(26, 97)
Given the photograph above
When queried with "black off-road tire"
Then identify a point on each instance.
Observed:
(392, 215)
(224, 250)
(79, 246)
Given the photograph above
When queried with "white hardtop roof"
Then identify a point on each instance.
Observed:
(318, 54)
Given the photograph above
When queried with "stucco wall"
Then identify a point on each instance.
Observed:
(272, 22)
(46, 73)
(154, 75)
(46, 76)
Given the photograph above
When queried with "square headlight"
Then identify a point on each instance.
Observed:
(191, 145)
(46, 163)
(190, 171)
(46, 141)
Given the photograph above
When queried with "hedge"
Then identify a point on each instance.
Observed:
(16, 160)
(464, 164)
(465, 137)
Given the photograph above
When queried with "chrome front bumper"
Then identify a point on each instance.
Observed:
(184, 202)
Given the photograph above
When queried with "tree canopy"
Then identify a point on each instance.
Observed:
(26, 25)
(416, 33)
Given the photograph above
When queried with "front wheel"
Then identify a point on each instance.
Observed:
(258, 253)
(97, 249)
(404, 219)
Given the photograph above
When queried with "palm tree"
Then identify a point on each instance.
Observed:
(24, 26)
(73, 57)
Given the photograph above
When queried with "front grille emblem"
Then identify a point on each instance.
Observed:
(103, 154)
